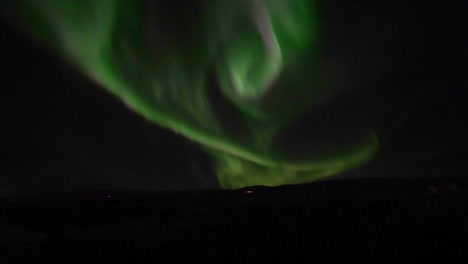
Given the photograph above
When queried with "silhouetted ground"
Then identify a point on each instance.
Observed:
(375, 219)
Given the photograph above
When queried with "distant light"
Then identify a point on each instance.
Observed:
(108, 196)
(248, 192)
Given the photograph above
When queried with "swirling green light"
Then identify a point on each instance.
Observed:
(260, 56)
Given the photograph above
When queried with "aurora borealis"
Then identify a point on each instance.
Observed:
(231, 76)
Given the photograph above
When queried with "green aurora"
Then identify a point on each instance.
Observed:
(232, 76)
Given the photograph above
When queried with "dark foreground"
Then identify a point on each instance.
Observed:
(371, 218)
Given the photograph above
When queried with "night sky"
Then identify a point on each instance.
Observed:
(405, 75)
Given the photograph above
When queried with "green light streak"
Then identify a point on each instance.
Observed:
(263, 54)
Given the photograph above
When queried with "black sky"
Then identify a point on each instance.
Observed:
(406, 77)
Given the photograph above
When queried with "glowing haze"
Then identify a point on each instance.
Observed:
(231, 77)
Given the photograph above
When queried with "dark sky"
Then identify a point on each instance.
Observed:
(405, 75)
(64, 132)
